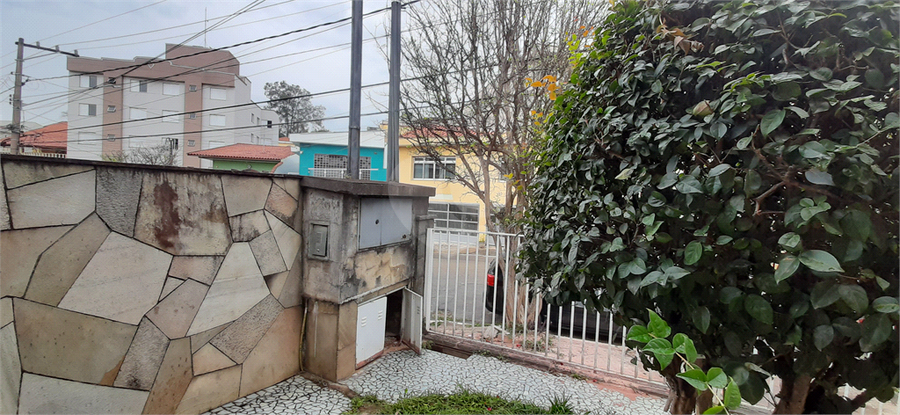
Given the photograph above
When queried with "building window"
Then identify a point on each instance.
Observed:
(111, 137)
(217, 120)
(139, 85)
(88, 81)
(335, 166)
(193, 115)
(87, 110)
(425, 168)
(252, 119)
(138, 114)
(193, 88)
(84, 137)
(171, 89)
(190, 143)
(218, 94)
(110, 108)
(454, 215)
(170, 116)
(268, 124)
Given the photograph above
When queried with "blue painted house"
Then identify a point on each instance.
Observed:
(324, 154)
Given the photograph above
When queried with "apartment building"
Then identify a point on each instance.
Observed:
(188, 101)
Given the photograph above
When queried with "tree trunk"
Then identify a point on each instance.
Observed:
(682, 397)
(792, 397)
(704, 401)
(514, 303)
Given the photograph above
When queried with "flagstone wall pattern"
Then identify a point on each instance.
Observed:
(129, 290)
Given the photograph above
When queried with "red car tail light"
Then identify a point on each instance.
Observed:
(490, 280)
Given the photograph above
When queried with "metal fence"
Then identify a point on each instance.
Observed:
(464, 271)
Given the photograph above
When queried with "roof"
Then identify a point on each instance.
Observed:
(51, 137)
(367, 139)
(242, 151)
(284, 139)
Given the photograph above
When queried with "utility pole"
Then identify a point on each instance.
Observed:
(393, 133)
(17, 91)
(355, 86)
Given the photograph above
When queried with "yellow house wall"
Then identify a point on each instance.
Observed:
(448, 190)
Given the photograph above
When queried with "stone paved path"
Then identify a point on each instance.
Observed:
(402, 373)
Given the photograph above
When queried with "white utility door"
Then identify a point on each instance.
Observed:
(411, 322)
(370, 329)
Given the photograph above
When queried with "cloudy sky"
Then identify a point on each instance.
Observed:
(317, 60)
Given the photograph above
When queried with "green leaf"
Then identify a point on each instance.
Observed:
(822, 336)
(700, 316)
(819, 177)
(818, 260)
(824, 294)
(662, 350)
(771, 121)
(639, 334)
(874, 78)
(732, 397)
(800, 112)
(693, 252)
(730, 294)
(716, 377)
(758, 308)
(744, 142)
(821, 74)
(886, 305)
(798, 309)
(718, 130)
(875, 330)
(714, 410)
(789, 240)
(684, 345)
(694, 377)
(654, 277)
(855, 297)
(658, 327)
(786, 267)
(857, 225)
(689, 184)
(719, 169)
(786, 91)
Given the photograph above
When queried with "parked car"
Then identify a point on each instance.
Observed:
(571, 313)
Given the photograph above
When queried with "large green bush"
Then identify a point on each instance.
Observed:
(734, 167)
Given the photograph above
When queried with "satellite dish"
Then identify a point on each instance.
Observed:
(288, 165)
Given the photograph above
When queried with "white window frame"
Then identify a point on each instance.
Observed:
(89, 81)
(437, 171)
(110, 108)
(465, 216)
(171, 89)
(218, 94)
(139, 85)
(84, 137)
(217, 120)
(86, 110)
(137, 113)
(170, 116)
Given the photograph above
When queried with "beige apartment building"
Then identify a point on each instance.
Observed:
(189, 100)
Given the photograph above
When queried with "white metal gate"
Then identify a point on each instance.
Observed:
(461, 264)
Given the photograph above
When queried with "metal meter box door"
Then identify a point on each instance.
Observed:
(384, 221)
(411, 325)
(370, 329)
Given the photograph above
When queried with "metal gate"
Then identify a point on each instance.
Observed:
(465, 285)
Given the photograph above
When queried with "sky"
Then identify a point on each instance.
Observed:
(317, 60)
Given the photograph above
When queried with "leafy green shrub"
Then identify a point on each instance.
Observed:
(733, 166)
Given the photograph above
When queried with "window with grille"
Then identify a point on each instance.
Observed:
(454, 215)
(426, 168)
(336, 166)
(139, 85)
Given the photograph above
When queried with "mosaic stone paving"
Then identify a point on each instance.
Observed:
(403, 373)
(400, 373)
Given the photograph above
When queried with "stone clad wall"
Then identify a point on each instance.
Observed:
(130, 290)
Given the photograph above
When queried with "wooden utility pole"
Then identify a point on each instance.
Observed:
(16, 126)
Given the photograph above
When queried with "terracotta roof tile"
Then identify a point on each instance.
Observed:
(243, 151)
(51, 137)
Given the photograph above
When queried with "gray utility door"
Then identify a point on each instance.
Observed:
(411, 320)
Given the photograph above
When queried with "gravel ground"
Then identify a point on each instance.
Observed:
(403, 373)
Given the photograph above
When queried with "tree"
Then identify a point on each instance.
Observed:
(471, 67)
(163, 154)
(298, 114)
(733, 167)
